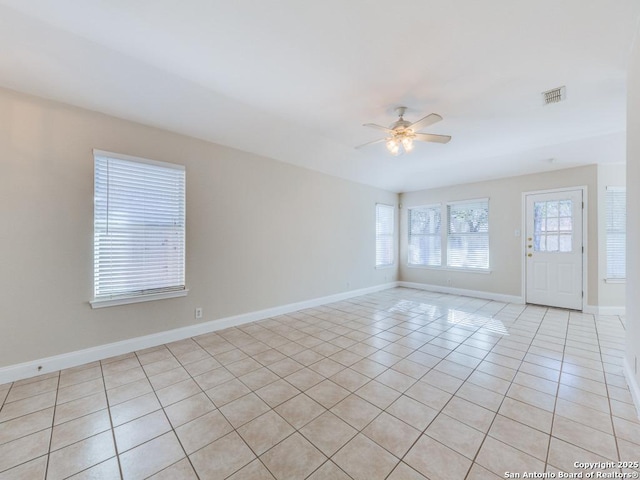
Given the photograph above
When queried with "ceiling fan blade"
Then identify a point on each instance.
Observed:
(425, 122)
(429, 137)
(379, 127)
(370, 143)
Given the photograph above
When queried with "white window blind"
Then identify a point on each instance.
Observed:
(616, 216)
(425, 236)
(468, 234)
(139, 227)
(384, 235)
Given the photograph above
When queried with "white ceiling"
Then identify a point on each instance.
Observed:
(295, 80)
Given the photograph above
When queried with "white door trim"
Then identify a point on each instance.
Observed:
(585, 229)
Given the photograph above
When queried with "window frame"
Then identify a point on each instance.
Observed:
(390, 235)
(178, 205)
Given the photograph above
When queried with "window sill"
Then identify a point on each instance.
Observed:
(381, 267)
(452, 269)
(615, 280)
(112, 302)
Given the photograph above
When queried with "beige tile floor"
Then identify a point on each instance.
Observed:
(398, 385)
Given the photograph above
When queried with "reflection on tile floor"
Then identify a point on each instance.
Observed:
(399, 385)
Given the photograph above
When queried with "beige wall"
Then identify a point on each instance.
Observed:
(260, 233)
(505, 217)
(633, 219)
(609, 294)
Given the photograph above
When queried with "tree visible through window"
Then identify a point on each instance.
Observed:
(468, 234)
(425, 236)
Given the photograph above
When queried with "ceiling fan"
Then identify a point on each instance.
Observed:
(402, 133)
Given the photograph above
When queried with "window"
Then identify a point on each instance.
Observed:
(139, 229)
(616, 215)
(468, 234)
(425, 236)
(384, 235)
(553, 226)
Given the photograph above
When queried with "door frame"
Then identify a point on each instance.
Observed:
(585, 230)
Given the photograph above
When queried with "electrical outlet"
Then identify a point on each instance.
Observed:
(448, 281)
(198, 313)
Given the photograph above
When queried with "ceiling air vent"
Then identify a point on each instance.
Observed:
(554, 96)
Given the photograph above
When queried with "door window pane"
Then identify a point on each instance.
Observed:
(565, 243)
(553, 226)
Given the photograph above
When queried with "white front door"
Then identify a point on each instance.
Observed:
(554, 249)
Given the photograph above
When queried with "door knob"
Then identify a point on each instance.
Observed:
(529, 254)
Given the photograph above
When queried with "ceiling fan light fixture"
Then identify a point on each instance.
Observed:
(393, 146)
(407, 143)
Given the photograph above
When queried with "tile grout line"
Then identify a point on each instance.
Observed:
(295, 430)
(384, 410)
(447, 402)
(555, 400)
(582, 405)
(606, 386)
(12, 385)
(511, 383)
(113, 430)
(329, 410)
(86, 415)
(162, 407)
(234, 429)
(53, 420)
(423, 432)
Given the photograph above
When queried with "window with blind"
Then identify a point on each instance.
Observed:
(384, 235)
(616, 217)
(468, 234)
(425, 236)
(139, 229)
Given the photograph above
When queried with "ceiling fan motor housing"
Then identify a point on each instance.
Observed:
(400, 124)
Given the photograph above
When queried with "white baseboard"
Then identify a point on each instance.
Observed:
(593, 309)
(498, 297)
(29, 369)
(634, 386)
(604, 310)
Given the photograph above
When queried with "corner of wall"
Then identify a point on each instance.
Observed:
(632, 351)
(634, 386)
